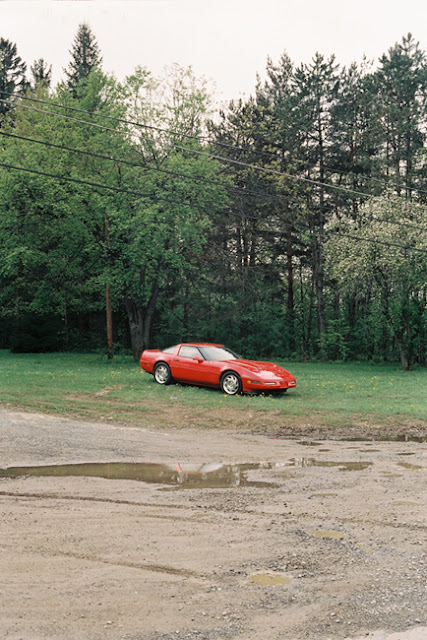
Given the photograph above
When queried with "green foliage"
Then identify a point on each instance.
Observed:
(296, 228)
(335, 340)
(389, 263)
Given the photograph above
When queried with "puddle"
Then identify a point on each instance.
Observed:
(335, 535)
(192, 476)
(389, 474)
(342, 466)
(268, 580)
(401, 437)
(406, 453)
(410, 467)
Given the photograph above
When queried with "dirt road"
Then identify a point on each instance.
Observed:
(202, 534)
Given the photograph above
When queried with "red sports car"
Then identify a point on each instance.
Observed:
(213, 365)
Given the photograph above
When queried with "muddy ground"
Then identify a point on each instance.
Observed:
(218, 535)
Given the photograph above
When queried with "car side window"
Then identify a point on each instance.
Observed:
(189, 352)
(170, 350)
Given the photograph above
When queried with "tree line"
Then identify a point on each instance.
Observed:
(291, 224)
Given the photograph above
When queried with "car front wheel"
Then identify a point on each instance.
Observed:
(230, 383)
(162, 373)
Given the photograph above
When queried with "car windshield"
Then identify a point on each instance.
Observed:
(218, 353)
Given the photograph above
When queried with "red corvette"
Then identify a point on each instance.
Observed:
(213, 365)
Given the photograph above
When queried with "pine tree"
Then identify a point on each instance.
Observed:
(41, 72)
(85, 57)
(12, 74)
(402, 89)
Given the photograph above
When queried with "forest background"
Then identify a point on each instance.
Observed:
(291, 224)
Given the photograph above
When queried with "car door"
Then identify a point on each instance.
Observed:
(190, 366)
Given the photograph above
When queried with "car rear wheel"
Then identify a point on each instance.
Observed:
(162, 373)
(230, 383)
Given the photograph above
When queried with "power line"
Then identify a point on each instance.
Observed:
(146, 166)
(207, 154)
(199, 139)
(194, 151)
(123, 121)
(316, 183)
(181, 175)
(94, 184)
(374, 241)
(157, 197)
(64, 116)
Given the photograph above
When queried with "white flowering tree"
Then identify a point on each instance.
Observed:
(383, 256)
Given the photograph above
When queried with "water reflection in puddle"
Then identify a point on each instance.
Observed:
(197, 476)
(342, 466)
(181, 476)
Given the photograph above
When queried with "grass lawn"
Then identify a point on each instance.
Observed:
(335, 396)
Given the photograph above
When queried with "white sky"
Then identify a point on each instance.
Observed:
(226, 41)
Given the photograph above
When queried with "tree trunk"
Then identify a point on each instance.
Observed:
(140, 320)
(135, 314)
(290, 300)
(149, 312)
(318, 239)
(310, 316)
(318, 271)
(404, 356)
(109, 318)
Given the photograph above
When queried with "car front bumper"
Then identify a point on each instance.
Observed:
(268, 385)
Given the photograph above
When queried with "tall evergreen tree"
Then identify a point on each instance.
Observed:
(316, 87)
(12, 74)
(402, 88)
(41, 72)
(85, 55)
(283, 138)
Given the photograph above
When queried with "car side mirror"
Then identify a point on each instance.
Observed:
(198, 359)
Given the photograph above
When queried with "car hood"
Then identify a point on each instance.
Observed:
(264, 369)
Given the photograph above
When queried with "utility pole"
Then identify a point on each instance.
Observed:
(108, 296)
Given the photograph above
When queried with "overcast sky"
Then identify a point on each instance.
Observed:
(226, 41)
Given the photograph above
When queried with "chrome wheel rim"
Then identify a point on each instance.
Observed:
(230, 384)
(161, 374)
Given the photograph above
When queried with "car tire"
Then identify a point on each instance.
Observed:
(162, 373)
(230, 383)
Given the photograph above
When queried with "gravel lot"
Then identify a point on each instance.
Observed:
(218, 535)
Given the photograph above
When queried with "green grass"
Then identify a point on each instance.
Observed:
(333, 395)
